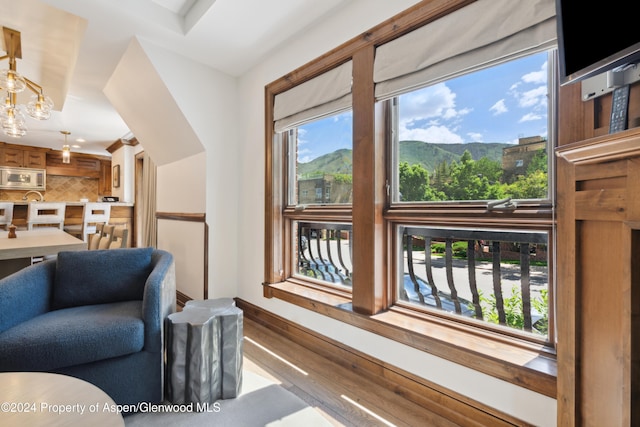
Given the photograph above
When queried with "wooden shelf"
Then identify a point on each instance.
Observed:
(607, 148)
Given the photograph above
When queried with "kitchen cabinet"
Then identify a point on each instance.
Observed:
(22, 158)
(83, 166)
(80, 165)
(104, 183)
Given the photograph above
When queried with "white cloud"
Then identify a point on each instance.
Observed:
(499, 108)
(423, 112)
(438, 134)
(475, 136)
(433, 101)
(533, 97)
(305, 155)
(302, 132)
(529, 117)
(537, 77)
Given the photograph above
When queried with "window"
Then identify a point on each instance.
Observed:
(461, 139)
(458, 142)
(423, 221)
(320, 162)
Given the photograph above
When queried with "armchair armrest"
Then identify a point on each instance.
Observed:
(159, 299)
(26, 294)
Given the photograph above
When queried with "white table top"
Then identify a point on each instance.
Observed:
(44, 399)
(45, 241)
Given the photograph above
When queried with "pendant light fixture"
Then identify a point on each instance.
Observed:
(11, 82)
(66, 150)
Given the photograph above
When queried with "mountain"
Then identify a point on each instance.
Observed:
(337, 162)
(427, 154)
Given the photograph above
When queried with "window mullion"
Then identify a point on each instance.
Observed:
(368, 191)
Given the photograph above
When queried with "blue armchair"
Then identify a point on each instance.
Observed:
(95, 315)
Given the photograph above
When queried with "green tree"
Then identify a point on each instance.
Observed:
(414, 184)
(531, 186)
(539, 162)
(535, 183)
(474, 180)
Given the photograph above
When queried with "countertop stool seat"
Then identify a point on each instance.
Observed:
(93, 213)
(46, 214)
(6, 214)
(204, 352)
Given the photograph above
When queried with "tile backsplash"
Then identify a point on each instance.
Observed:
(60, 189)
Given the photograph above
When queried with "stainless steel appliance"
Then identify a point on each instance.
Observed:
(23, 178)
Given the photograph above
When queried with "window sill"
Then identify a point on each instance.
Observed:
(522, 364)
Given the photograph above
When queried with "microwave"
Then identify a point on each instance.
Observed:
(23, 179)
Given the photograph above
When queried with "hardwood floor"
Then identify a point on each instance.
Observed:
(342, 396)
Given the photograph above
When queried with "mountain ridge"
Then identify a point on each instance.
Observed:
(427, 154)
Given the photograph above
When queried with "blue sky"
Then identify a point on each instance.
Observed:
(499, 104)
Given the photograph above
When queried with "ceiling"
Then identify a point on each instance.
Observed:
(72, 48)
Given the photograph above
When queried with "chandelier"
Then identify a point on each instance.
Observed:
(11, 117)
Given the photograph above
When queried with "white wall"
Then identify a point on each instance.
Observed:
(185, 115)
(124, 157)
(358, 16)
(207, 100)
(184, 239)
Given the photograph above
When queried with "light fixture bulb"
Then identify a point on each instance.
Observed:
(12, 82)
(66, 150)
(66, 154)
(40, 107)
(12, 121)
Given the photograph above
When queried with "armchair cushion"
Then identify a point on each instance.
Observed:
(53, 340)
(101, 276)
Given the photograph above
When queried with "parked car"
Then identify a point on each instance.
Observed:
(408, 293)
(324, 269)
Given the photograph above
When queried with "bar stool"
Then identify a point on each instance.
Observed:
(6, 214)
(46, 213)
(92, 214)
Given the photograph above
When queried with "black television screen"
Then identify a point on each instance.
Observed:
(594, 37)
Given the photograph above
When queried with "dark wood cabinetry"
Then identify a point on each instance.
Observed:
(82, 165)
(598, 287)
(79, 165)
(104, 186)
(22, 157)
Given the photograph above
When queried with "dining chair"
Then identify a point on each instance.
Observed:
(46, 213)
(119, 238)
(6, 214)
(94, 239)
(107, 236)
(92, 213)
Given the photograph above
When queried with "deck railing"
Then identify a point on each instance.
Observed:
(500, 284)
(324, 251)
(498, 276)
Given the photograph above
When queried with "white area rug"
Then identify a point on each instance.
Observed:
(261, 403)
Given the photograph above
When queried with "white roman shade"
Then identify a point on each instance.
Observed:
(482, 33)
(328, 93)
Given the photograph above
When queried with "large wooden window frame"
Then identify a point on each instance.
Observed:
(369, 305)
